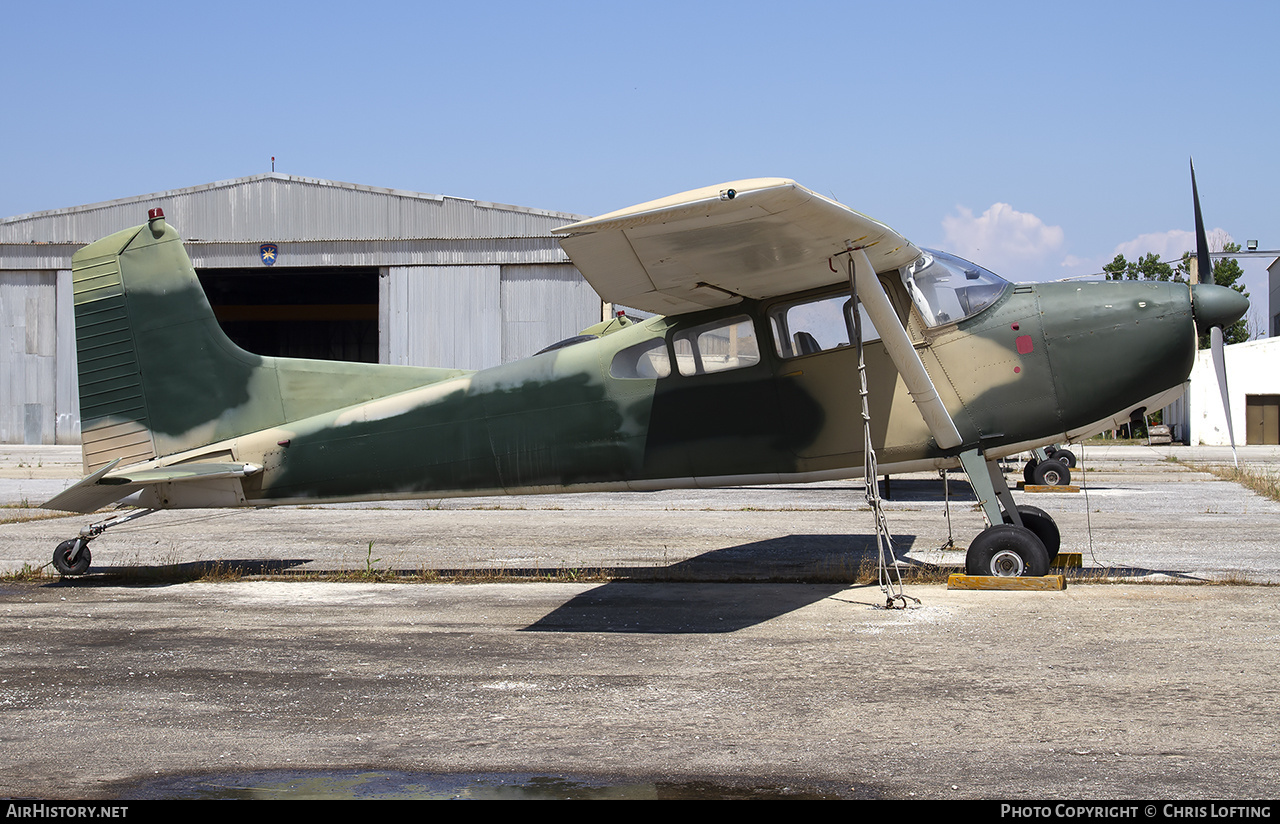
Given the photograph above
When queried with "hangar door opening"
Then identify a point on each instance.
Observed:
(325, 313)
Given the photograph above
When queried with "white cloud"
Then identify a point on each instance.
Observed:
(1010, 243)
(1170, 245)
(1167, 246)
(1164, 245)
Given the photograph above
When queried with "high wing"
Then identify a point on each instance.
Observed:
(755, 239)
(716, 245)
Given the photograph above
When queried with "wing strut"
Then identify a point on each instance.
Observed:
(902, 353)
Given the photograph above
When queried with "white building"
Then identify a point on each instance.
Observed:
(1273, 281)
(1253, 384)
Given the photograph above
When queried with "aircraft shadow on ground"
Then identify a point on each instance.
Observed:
(679, 608)
(786, 558)
(690, 596)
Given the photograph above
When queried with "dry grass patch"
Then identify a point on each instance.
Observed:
(1263, 479)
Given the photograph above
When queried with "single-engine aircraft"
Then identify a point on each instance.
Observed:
(748, 375)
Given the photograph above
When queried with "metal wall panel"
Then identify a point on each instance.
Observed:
(542, 305)
(67, 403)
(448, 316)
(421, 252)
(394, 252)
(28, 357)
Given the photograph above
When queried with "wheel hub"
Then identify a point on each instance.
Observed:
(1007, 564)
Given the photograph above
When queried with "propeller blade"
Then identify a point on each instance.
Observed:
(1220, 366)
(1204, 268)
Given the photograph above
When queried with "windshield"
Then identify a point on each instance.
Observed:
(947, 289)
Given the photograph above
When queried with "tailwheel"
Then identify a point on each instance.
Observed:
(1006, 551)
(1044, 527)
(72, 557)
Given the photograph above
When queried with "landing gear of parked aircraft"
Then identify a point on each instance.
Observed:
(1022, 540)
(1065, 456)
(72, 557)
(1007, 550)
(1042, 525)
(1047, 473)
(1049, 467)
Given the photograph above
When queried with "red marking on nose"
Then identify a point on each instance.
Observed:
(1024, 344)
(1017, 369)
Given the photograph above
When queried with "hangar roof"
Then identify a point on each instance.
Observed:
(284, 209)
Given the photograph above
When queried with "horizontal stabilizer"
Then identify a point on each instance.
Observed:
(105, 486)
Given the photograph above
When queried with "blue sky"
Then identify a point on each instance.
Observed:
(1036, 139)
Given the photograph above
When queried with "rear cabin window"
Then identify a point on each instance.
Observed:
(717, 347)
(648, 360)
(817, 325)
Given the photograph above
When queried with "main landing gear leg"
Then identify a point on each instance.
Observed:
(72, 557)
(1018, 538)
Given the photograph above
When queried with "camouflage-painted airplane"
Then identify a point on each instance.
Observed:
(748, 376)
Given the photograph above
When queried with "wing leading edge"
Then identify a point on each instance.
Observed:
(716, 245)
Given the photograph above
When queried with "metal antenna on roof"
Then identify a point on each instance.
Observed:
(273, 164)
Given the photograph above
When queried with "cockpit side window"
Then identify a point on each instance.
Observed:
(947, 289)
(817, 325)
(717, 347)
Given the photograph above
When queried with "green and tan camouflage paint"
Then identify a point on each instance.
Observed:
(162, 387)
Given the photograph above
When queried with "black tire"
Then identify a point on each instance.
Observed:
(1006, 550)
(1044, 527)
(62, 558)
(1065, 456)
(1050, 473)
(1027, 470)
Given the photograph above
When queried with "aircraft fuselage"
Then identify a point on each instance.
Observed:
(1042, 363)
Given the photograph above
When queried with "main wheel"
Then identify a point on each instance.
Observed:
(1028, 469)
(1044, 527)
(1007, 551)
(62, 558)
(1050, 473)
(1064, 456)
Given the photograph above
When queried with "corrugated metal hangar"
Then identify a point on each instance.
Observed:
(298, 267)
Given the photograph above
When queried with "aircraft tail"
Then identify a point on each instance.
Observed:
(157, 374)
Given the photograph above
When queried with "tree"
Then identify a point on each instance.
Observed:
(1226, 272)
(1147, 267)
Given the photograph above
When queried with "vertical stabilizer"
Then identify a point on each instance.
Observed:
(158, 376)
